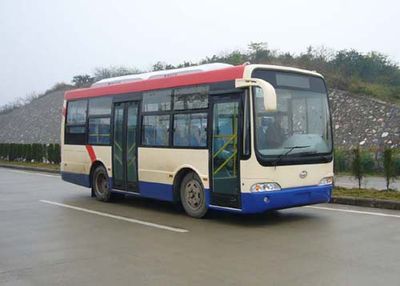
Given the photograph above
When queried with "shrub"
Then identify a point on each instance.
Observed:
(357, 166)
(2, 151)
(367, 161)
(12, 152)
(396, 163)
(57, 154)
(37, 150)
(389, 167)
(340, 164)
(28, 153)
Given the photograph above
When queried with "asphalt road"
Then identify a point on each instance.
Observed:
(54, 233)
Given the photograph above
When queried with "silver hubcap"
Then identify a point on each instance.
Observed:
(194, 194)
(101, 183)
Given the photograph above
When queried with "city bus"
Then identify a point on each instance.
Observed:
(244, 139)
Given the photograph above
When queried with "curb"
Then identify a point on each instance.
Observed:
(44, 170)
(362, 202)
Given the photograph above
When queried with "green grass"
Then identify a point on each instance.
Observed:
(32, 165)
(367, 194)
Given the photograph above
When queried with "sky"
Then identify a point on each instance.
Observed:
(43, 42)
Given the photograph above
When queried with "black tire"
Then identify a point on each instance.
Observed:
(193, 197)
(101, 184)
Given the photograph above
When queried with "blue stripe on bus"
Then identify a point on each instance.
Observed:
(157, 191)
(251, 202)
(163, 192)
(285, 198)
(79, 179)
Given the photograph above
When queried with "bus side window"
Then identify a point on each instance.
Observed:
(190, 130)
(155, 130)
(198, 130)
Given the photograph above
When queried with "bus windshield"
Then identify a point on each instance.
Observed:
(301, 122)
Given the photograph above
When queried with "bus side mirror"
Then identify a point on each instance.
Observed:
(268, 91)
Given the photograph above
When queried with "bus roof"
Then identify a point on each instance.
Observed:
(160, 74)
(173, 78)
(203, 77)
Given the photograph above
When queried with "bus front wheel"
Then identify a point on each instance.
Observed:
(192, 196)
(101, 184)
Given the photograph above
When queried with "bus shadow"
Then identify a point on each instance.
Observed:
(150, 204)
(269, 218)
(250, 220)
(216, 217)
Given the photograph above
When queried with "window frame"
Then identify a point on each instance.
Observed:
(171, 113)
(190, 94)
(143, 113)
(88, 130)
(100, 116)
(79, 138)
(189, 112)
(171, 98)
(155, 113)
(321, 158)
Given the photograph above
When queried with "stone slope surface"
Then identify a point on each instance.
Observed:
(36, 122)
(357, 120)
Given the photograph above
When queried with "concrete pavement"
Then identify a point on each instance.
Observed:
(54, 233)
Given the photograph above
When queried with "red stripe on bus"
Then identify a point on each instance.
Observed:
(225, 74)
(90, 150)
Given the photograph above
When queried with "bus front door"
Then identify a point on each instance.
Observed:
(225, 183)
(125, 138)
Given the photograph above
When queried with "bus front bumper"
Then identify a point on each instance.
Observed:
(285, 198)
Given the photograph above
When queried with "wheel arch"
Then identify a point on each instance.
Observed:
(93, 167)
(178, 177)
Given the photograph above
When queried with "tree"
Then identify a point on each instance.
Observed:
(159, 66)
(389, 167)
(357, 167)
(113, 71)
(259, 53)
(82, 80)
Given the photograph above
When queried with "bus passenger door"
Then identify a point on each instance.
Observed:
(125, 138)
(225, 182)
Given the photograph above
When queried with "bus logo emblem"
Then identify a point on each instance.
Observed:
(303, 174)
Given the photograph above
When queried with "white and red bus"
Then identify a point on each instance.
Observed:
(244, 139)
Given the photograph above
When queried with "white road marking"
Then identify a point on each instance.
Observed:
(160, 226)
(353, 211)
(32, 173)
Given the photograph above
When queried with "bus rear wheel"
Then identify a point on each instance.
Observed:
(193, 196)
(101, 184)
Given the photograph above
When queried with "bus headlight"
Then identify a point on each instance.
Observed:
(326, 181)
(265, 187)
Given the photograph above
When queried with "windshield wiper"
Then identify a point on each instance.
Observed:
(306, 153)
(288, 152)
